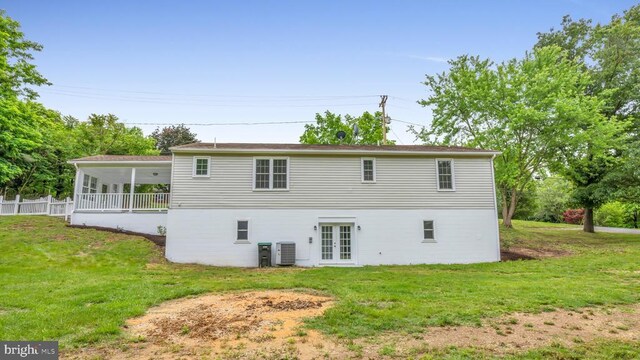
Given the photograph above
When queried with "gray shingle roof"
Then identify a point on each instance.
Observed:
(302, 147)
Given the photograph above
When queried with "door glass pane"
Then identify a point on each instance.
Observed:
(345, 242)
(326, 234)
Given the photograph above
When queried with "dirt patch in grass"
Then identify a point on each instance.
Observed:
(518, 332)
(156, 239)
(264, 324)
(267, 325)
(523, 253)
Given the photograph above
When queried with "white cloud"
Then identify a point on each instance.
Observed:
(428, 58)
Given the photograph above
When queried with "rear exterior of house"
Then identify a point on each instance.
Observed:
(340, 205)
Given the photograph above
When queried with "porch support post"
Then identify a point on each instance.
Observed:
(132, 188)
(77, 189)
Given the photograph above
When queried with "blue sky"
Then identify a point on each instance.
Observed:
(210, 62)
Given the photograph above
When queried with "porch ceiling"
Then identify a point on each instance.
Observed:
(117, 175)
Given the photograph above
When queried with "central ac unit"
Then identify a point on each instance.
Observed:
(286, 253)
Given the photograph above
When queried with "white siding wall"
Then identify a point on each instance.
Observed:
(322, 182)
(146, 223)
(207, 236)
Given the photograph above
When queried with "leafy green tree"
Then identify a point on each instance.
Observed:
(326, 127)
(610, 53)
(527, 109)
(173, 135)
(16, 52)
(553, 197)
(105, 135)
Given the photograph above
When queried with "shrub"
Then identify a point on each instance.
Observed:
(553, 196)
(573, 216)
(611, 214)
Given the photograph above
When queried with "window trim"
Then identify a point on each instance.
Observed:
(433, 224)
(270, 158)
(88, 186)
(453, 174)
(243, 241)
(375, 170)
(195, 161)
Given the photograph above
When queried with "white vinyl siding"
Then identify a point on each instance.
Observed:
(334, 182)
(368, 170)
(201, 166)
(446, 177)
(271, 174)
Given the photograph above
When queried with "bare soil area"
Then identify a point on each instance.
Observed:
(267, 325)
(523, 253)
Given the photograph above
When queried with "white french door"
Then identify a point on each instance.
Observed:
(336, 243)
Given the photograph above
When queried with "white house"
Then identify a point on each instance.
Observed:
(344, 205)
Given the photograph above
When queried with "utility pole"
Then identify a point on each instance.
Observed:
(383, 103)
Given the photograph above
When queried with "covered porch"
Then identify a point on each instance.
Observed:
(125, 192)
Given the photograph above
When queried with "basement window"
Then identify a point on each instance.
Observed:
(242, 231)
(429, 231)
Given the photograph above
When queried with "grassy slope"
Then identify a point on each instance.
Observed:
(79, 286)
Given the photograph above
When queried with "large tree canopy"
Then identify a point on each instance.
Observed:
(610, 53)
(104, 134)
(527, 109)
(326, 127)
(172, 135)
(16, 71)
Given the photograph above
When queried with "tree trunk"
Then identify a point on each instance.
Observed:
(588, 220)
(509, 209)
(505, 210)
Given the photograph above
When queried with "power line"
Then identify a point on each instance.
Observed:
(188, 102)
(407, 122)
(220, 95)
(396, 135)
(224, 124)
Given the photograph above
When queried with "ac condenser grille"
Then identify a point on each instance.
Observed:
(287, 253)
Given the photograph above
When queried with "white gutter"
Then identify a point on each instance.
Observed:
(111, 162)
(334, 152)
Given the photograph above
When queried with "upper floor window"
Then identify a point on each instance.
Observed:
(446, 178)
(368, 170)
(271, 174)
(201, 165)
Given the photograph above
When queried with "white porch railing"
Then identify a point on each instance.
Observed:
(42, 206)
(122, 202)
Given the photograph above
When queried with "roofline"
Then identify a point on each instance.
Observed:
(128, 162)
(334, 152)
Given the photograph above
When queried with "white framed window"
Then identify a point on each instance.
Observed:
(271, 174)
(445, 176)
(242, 231)
(429, 231)
(114, 188)
(368, 166)
(201, 166)
(89, 184)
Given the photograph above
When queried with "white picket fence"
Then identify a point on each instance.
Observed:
(42, 206)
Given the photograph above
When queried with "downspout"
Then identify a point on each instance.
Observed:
(495, 204)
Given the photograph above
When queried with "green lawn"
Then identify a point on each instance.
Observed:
(78, 286)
